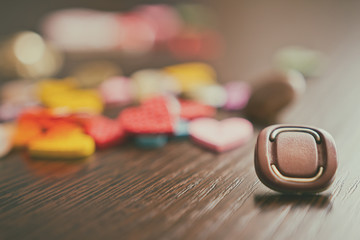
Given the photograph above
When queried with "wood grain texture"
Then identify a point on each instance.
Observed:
(183, 191)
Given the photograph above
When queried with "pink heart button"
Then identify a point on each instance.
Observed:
(222, 135)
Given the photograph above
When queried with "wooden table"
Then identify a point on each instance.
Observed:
(182, 191)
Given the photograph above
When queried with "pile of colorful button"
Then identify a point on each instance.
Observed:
(57, 118)
(62, 118)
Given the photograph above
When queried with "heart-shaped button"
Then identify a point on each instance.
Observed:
(106, 132)
(63, 94)
(191, 110)
(52, 136)
(25, 132)
(221, 136)
(35, 122)
(151, 117)
(72, 144)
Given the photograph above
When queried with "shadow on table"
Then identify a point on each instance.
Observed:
(55, 168)
(276, 200)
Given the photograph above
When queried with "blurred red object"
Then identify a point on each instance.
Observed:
(191, 110)
(138, 35)
(194, 44)
(105, 131)
(165, 21)
(152, 117)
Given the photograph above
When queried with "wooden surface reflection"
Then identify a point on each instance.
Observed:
(182, 191)
(274, 201)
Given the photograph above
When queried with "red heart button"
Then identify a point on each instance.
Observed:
(191, 110)
(151, 117)
(105, 131)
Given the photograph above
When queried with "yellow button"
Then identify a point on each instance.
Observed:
(192, 75)
(74, 145)
(63, 94)
(49, 87)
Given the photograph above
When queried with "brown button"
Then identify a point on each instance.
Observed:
(295, 158)
(272, 93)
(296, 154)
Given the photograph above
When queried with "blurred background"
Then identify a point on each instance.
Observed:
(252, 30)
(219, 42)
